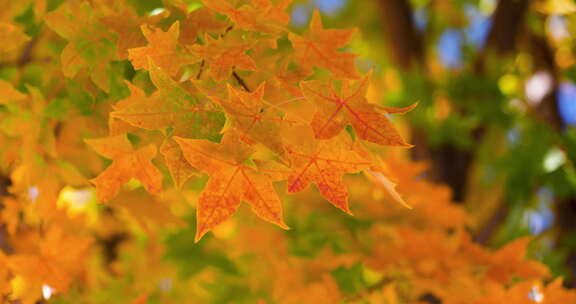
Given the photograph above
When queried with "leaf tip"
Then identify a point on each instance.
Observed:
(284, 226)
(199, 235)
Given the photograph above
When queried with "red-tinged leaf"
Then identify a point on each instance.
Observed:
(126, 164)
(252, 118)
(318, 47)
(336, 110)
(322, 162)
(230, 182)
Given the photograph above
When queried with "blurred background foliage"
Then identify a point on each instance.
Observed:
(496, 82)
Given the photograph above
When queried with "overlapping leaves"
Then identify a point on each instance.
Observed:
(263, 125)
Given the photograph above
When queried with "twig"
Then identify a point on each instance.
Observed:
(241, 81)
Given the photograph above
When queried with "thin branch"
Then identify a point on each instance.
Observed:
(241, 81)
(403, 40)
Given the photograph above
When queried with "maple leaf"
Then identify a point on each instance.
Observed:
(322, 162)
(117, 125)
(260, 15)
(251, 118)
(89, 46)
(57, 261)
(163, 49)
(224, 54)
(170, 106)
(318, 47)
(200, 21)
(336, 110)
(126, 164)
(509, 261)
(125, 24)
(230, 182)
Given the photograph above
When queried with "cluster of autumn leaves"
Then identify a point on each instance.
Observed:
(275, 125)
(226, 91)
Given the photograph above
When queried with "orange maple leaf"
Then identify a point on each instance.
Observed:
(322, 162)
(509, 262)
(200, 21)
(336, 110)
(231, 181)
(57, 262)
(170, 106)
(222, 55)
(252, 118)
(260, 15)
(163, 49)
(125, 24)
(318, 47)
(126, 164)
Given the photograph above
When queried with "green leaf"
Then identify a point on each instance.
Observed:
(350, 279)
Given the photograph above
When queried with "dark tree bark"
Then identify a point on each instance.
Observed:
(507, 24)
(405, 45)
